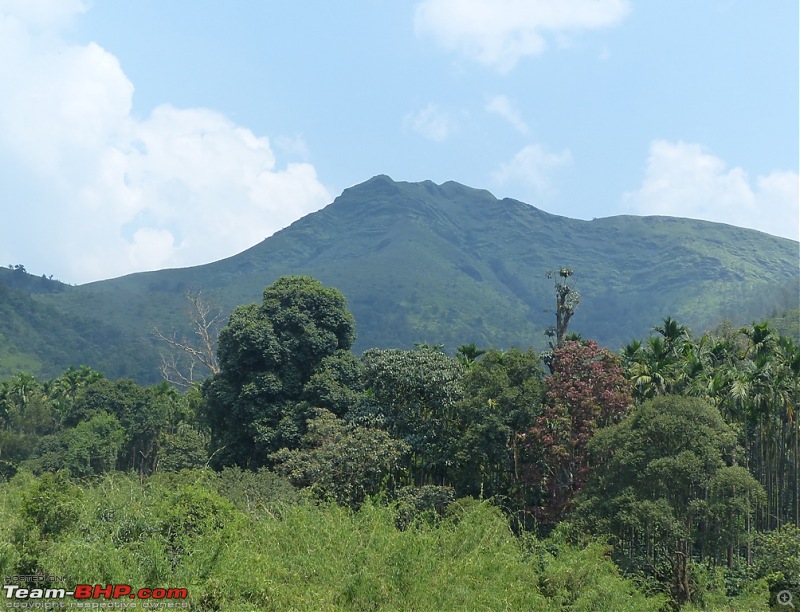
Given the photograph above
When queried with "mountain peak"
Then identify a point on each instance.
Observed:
(421, 262)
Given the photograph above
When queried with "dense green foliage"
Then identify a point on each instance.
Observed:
(412, 479)
(180, 531)
(669, 488)
(502, 396)
(86, 424)
(421, 262)
(268, 353)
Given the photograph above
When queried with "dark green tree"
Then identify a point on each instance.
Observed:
(268, 353)
(668, 489)
(337, 385)
(145, 413)
(777, 558)
(340, 460)
(416, 395)
(469, 353)
(502, 397)
(88, 449)
(26, 414)
(664, 364)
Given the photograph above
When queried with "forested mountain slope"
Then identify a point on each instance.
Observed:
(420, 262)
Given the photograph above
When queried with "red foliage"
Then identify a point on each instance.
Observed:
(587, 390)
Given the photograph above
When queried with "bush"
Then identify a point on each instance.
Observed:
(176, 530)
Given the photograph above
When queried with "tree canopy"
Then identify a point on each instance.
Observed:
(268, 353)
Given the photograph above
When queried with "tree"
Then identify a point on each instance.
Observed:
(567, 300)
(502, 397)
(339, 460)
(469, 353)
(337, 385)
(90, 448)
(667, 487)
(63, 390)
(777, 558)
(416, 394)
(145, 413)
(585, 392)
(186, 356)
(185, 448)
(26, 414)
(268, 353)
(655, 368)
(752, 376)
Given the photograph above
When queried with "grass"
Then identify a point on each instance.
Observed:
(296, 555)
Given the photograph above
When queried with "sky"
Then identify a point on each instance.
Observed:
(141, 134)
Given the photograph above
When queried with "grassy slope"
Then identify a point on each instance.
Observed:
(37, 337)
(451, 264)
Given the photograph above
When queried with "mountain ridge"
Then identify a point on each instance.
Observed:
(450, 263)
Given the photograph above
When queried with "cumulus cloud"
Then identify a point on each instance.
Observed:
(498, 33)
(502, 106)
(431, 122)
(532, 166)
(112, 193)
(685, 180)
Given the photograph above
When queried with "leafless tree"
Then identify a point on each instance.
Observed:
(190, 360)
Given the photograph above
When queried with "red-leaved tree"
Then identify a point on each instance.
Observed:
(586, 390)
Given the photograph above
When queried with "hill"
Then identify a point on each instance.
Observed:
(420, 262)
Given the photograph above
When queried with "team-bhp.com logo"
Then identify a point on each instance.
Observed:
(93, 592)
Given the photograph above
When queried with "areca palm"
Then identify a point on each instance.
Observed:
(694, 372)
(762, 339)
(651, 367)
(675, 335)
(753, 377)
(62, 390)
(767, 389)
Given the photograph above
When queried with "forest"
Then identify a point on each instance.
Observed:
(275, 469)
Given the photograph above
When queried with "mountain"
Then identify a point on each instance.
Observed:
(420, 262)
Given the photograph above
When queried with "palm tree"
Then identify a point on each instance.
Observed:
(469, 353)
(675, 335)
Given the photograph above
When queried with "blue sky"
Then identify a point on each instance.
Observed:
(143, 134)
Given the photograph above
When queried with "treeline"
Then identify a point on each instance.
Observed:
(676, 459)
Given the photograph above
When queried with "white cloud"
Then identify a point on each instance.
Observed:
(295, 146)
(114, 194)
(685, 180)
(501, 105)
(431, 122)
(498, 33)
(41, 14)
(532, 166)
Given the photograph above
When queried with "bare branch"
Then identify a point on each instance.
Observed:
(180, 365)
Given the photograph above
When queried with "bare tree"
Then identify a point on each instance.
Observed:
(190, 360)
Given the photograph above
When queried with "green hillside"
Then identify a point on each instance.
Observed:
(39, 337)
(420, 262)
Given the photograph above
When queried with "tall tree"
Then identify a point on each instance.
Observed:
(503, 394)
(668, 488)
(268, 352)
(586, 391)
(567, 300)
(190, 360)
(416, 395)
